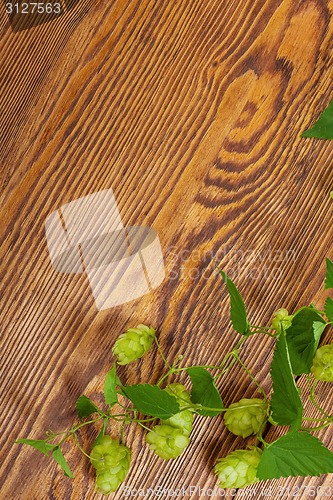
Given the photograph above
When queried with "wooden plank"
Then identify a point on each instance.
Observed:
(191, 112)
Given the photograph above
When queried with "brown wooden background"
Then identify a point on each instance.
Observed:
(191, 112)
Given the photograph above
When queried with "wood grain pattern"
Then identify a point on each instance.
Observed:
(191, 112)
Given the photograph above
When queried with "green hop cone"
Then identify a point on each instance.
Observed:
(167, 441)
(184, 419)
(281, 318)
(281, 313)
(246, 416)
(170, 438)
(133, 344)
(322, 364)
(238, 469)
(111, 461)
(180, 393)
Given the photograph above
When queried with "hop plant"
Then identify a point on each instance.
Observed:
(111, 461)
(322, 364)
(302, 454)
(167, 441)
(246, 416)
(133, 344)
(281, 318)
(238, 469)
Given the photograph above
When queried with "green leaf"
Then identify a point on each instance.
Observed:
(323, 128)
(110, 389)
(318, 328)
(39, 444)
(302, 337)
(151, 400)
(329, 308)
(237, 307)
(85, 407)
(329, 274)
(295, 454)
(60, 459)
(101, 434)
(286, 404)
(120, 386)
(204, 391)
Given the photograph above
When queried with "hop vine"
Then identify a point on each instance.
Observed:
(166, 410)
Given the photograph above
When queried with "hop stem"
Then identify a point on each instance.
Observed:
(260, 388)
(80, 447)
(162, 354)
(312, 397)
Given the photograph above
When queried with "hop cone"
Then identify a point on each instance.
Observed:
(238, 469)
(243, 418)
(133, 344)
(170, 438)
(281, 318)
(322, 364)
(180, 393)
(167, 441)
(184, 419)
(111, 461)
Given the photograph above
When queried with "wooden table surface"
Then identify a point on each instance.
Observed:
(191, 112)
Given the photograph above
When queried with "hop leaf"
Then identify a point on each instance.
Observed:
(322, 367)
(323, 128)
(167, 441)
(39, 444)
(286, 404)
(295, 454)
(133, 344)
(329, 274)
(329, 308)
(60, 459)
(302, 338)
(111, 461)
(85, 407)
(238, 313)
(204, 391)
(246, 416)
(151, 400)
(238, 469)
